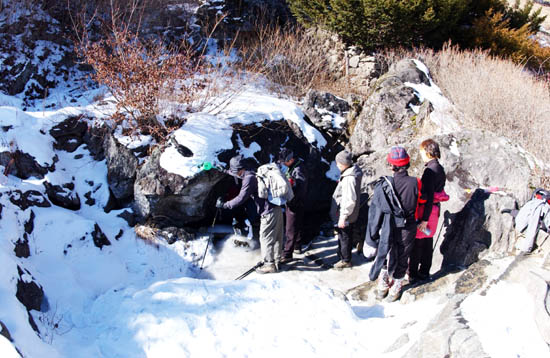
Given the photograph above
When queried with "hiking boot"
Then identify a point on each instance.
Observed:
(285, 259)
(267, 268)
(360, 245)
(340, 265)
(395, 290)
(384, 284)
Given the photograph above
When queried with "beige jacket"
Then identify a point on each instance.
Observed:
(345, 200)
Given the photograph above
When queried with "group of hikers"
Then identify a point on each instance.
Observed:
(402, 217)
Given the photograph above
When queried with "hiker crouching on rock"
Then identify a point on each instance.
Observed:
(345, 206)
(295, 172)
(432, 193)
(392, 225)
(271, 222)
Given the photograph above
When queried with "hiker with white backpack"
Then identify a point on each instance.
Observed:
(270, 190)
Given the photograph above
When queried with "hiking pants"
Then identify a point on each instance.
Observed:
(271, 235)
(420, 261)
(400, 251)
(294, 219)
(345, 242)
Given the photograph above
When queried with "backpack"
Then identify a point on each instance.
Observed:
(273, 185)
(399, 213)
(541, 194)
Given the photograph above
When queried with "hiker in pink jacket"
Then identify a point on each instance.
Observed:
(432, 193)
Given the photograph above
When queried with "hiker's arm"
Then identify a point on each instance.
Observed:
(428, 189)
(247, 189)
(349, 198)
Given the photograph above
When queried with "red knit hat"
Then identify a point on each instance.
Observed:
(398, 156)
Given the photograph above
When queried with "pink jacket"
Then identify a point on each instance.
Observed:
(434, 216)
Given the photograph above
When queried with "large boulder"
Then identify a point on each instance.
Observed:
(168, 199)
(388, 117)
(121, 168)
(485, 173)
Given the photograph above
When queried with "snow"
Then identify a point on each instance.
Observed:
(207, 135)
(145, 298)
(6, 349)
(27, 135)
(442, 115)
(513, 334)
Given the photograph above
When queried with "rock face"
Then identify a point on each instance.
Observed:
(69, 134)
(327, 112)
(387, 117)
(121, 169)
(472, 224)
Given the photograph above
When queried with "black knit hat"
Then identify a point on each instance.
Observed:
(285, 155)
(236, 163)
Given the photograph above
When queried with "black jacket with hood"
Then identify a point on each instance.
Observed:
(385, 216)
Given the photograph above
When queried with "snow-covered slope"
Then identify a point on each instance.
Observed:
(135, 298)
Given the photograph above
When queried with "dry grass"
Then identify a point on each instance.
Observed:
(291, 57)
(494, 94)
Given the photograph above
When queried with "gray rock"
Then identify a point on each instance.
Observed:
(99, 237)
(27, 199)
(63, 195)
(121, 168)
(5, 332)
(387, 117)
(23, 165)
(448, 335)
(29, 293)
(323, 107)
(69, 134)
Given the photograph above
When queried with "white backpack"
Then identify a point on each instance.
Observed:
(273, 185)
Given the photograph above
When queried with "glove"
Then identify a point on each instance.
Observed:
(219, 203)
(292, 182)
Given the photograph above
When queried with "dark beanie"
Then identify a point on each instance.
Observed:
(398, 156)
(236, 163)
(344, 158)
(285, 155)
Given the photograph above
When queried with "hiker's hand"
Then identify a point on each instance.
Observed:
(342, 223)
(219, 203)
(422, 226)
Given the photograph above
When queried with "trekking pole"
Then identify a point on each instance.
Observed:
(209, 237)
(437, 238)
(252, 269)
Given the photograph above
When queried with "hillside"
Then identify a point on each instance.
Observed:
(111, 243)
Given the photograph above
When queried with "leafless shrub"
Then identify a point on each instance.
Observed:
(494, 94)
(153, 84)
(291, 57)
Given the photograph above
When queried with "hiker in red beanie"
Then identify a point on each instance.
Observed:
(406, 188)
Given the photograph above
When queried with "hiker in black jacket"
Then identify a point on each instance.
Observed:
(295, 172)
(271, 222)
(392, 225)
